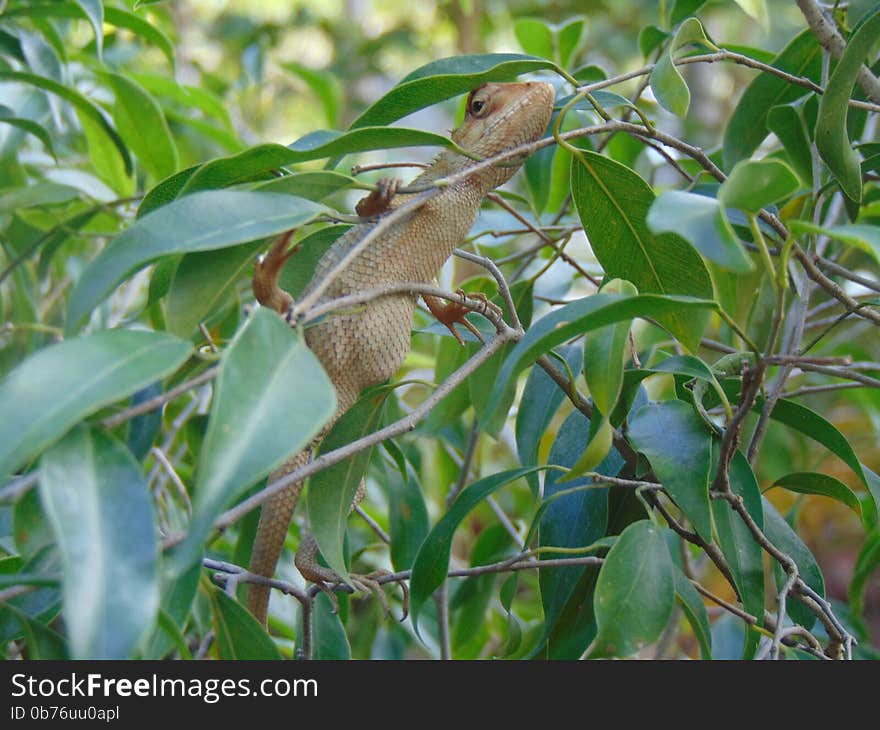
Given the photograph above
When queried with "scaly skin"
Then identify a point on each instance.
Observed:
(367, 347)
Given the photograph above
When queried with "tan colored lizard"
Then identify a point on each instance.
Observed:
(362, 348)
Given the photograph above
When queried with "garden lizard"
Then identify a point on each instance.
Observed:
(362, 348)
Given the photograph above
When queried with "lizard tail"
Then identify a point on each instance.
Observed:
(275, 518)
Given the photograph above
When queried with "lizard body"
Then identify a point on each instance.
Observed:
(366, 347)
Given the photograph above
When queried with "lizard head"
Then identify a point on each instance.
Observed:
(500, 117)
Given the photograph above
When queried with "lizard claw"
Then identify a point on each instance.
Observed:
(452, 313)
(379, 200)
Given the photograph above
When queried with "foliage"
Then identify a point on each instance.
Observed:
(604, 481)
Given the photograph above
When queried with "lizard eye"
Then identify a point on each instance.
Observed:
(478, 107)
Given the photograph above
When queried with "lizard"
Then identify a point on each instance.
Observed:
(366, 347)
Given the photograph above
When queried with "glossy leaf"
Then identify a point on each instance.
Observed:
(700, 221)
(832, 140)
(678, 446)
(822, 484)
(407, 517)
(574, 520)
(667, 83)
(203, 222)
(99, 506)
(444, 79)
(787, 540)
(786, 123)
(142, 125)
(58, 386)
(695, 610)
(432, 562)
(755, 184)
(747, 127)
(579, 317)
(634, 593)
(538, 404)
(613, 202)
(237, 634)
(260, 416)
(743, 555)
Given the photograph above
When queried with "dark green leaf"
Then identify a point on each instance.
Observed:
(755, 184)
(786, 539)
(866, 564)
(237, 634)
(101, 511)
(613, 202)
(747, 127)
(432, 562)
(786, 123)
(695, 610)
(823, 484)
(678, 446)
(407, 517)
(831, 132)
(634, 593)
(312, 185)
(332, 490)
(329, 640)
(58, 386)
(7, 116)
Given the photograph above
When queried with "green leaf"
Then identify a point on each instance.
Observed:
(84, 107)
(747, 127)
(692, 604)
(176, 599)
(699, 220)
(787, 540)
(256, 162)
(332, 490)
(105, 158)
(568, 38)
(311, 185)
(535, 37)
(36, 195)
(577, 318)
(295, 277)
(634, 593)
(613, 202)
(237, 634)
(329, 640)
(121, 18)
(755, 184)
(407, 517)
(94, 11)
(604, 354)
(866, 564)
(743, 555)
(260, 415)
(202, 222)
(444, 79)
(202, 282)
(786, 123)
(538, 404)
(682, 9)
(141, 123)
(7, 116)
(650, 37)
(832, 140)
(666, 81)
(432, 562)
(756, 9)
(165, 191)
(58, 386)
(570, 520)
(678, 446)
(324, 85)
(807, 482)
(42, 642)
(863, 236)
(186, 96)
(101, 511)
